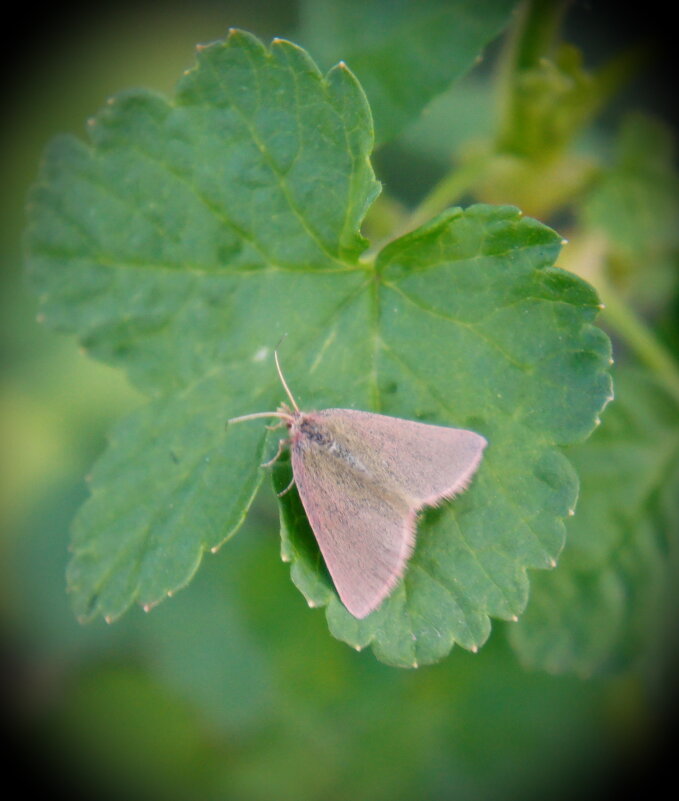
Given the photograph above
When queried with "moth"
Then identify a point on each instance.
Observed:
(362, 478)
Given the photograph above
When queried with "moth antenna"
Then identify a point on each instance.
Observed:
(288, 417)
(285, 386)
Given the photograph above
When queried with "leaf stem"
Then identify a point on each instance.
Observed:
(641, 340)
(446, 192)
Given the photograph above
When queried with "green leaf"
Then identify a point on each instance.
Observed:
(173, 483)
(404, 53)
(155, 228)
(472, 327)
(600, 610)
(188, 235)
(180, 243)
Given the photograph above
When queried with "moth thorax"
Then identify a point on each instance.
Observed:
(315, 433)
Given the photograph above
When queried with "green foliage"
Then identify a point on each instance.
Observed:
(548, 97)
(190, 233)
(602, 606)
(403, 53)
(156, 228)
(634, 209)
(178, 242)
(243, 695)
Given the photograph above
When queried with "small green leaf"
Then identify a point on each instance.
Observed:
(599, 611)
(188, 235)
(404, 54)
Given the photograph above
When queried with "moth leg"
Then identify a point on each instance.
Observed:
(287, 489)
(281, 444)
(279, 424)
(282, 409)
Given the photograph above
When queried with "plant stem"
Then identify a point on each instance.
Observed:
(536, 32)
(640, 339)
(531, 40)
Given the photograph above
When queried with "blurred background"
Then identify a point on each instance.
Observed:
(234, 689)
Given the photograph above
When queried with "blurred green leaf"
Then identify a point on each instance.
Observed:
(126, 736)
(404, 53)
(235, 666)
(461, 115)
(189, 235)
(634, 207)
(221, 666)
(600, 609)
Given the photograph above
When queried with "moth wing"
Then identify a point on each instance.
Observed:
(425, 463)
(365, 531)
